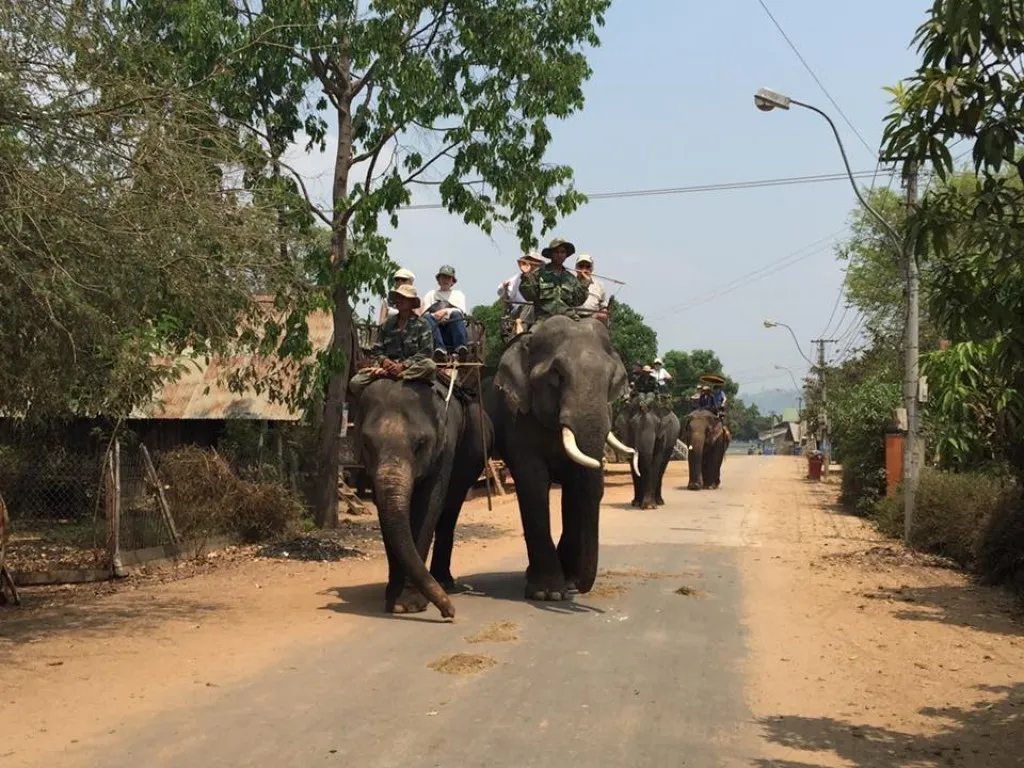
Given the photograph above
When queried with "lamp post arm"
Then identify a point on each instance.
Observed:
(842, 149)
(797, 342)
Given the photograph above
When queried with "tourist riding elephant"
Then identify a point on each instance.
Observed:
(550, 405)
(652, 431)
(706, 439)
(422, 458)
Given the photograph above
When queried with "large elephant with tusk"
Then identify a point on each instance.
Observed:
(550, 406)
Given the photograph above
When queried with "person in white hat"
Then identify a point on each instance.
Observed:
(597, 302)
(401, 277)
(517, 312)
(661, 375)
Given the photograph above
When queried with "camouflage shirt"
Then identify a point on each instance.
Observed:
(415, 342)
(645, 383)
(553, 293)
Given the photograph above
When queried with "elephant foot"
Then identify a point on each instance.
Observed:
(695, 487)
(635, 503)
(572, 585)
(659, 501)
(552, 588)
(650, 505)
(410, 601)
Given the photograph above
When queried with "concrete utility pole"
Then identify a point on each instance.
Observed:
(823, 423)
(911, 343)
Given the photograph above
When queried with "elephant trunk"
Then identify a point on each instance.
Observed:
(589, 546)
(695, 458)
(645, 443)
(393, 485)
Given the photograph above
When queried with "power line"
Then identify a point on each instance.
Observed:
(821, 85)
(720, 187)
(835, 307)
(769, 269)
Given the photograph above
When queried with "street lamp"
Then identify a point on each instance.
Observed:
(768, 100)
(777, 324)
(791, 376)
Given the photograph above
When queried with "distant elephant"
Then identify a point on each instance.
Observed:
(422, 458)
(652, 431)
(707, 440)
(551, 408)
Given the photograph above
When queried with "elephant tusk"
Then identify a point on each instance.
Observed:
(618, 445)
(574, 452)
(636, 463)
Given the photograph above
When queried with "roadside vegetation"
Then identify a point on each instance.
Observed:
(968, 239)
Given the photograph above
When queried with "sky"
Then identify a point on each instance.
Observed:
(670, 104)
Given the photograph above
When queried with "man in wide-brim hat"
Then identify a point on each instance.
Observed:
(553, 289)
(404, 346)
(517, 314)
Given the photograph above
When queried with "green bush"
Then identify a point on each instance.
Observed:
(974, 519)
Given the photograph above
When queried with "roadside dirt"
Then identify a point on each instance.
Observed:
(866, 655)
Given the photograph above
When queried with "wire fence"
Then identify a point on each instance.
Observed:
(77, 510)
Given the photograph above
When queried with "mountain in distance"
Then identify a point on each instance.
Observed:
(772, 400)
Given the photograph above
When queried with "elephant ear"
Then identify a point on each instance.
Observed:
(512, 378)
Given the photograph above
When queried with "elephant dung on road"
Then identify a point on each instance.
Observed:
(550, 405)
(422, 458)
(652, 432)
(707, 440)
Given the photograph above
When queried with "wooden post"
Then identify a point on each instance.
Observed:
(165, 510)
(114, 510)
(6, 580)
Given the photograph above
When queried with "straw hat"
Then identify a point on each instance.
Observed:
(406, 292)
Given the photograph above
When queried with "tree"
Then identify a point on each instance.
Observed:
(122, 238)
(490, 316)
(636, 341)
(969, 86)
(459, 91)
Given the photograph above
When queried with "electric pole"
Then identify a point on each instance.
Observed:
(911, 350)
(823, 421)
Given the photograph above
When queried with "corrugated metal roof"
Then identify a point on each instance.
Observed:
(201, 391)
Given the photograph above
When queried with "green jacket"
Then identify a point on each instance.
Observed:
(414, 343)
(553, 293)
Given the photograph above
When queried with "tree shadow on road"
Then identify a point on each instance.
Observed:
(98, 618)
(984, 609)
(988, 733)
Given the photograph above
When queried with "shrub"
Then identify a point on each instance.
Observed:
(974, 519)
(1000, 557)
(207, 498)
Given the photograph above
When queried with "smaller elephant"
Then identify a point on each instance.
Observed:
(652, 431)
(707, 440)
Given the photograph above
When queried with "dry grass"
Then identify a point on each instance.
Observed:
(462, 663)
(608, 590)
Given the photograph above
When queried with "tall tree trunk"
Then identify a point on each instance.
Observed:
(341, 344)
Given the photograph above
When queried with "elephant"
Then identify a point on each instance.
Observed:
(550, 403)
(652, 431)
(422, 457)
(707, 439)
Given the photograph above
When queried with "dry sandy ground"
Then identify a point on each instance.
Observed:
(863, 655)
(859, 655)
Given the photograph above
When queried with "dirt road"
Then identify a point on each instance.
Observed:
(751, 626)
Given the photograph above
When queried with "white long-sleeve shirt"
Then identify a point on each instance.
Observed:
(512, 291)
(455, 297)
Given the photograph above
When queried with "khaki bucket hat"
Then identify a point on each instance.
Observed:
(406, 292)
(532, 258)
(403, 274)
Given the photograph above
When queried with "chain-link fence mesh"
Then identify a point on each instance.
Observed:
(57, 502)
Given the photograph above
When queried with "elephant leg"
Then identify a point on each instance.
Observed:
(410, 599)
(444, 536)
(569, 542)
(544, 577)
(666, 454)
